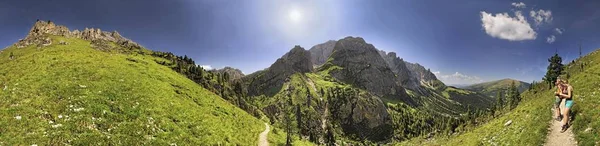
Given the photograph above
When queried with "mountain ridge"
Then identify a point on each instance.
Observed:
(491, 88)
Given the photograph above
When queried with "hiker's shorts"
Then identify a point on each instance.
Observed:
(569, 103)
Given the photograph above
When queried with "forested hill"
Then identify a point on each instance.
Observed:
(493, 87)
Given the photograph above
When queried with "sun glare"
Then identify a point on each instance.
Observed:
(295, 16)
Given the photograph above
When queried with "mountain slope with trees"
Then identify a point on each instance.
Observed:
(358, 95)
(493, 87)
(527, 124)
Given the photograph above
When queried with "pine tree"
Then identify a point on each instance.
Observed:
(322, 92)
(554, 69)
(330, 138)
(288, 122)
(580, 63)
(531, 85)
(513, 95)
(299, 120)
(499, 100)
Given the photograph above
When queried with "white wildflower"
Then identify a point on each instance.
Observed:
(78, 109)
(60, 116)
(57, 125)
(82, 86)
(18, 117)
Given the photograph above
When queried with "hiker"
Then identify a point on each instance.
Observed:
(567, 94)
(558, 100)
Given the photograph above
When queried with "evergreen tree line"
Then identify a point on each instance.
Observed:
(506, 99)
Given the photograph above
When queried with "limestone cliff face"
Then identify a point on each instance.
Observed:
(424, 76)
(270, 81)
(398, 66)
(320, 53)
(365, 68)
(362, 115)
(37, 36)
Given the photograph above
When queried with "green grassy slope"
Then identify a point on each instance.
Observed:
(524, 130)
(586, 111)
(531, 118)
(73, 94)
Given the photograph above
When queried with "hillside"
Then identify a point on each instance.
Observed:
(531, 119)
(58, 87)
(491, 88)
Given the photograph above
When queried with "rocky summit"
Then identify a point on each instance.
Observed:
(38, 36)
(398, 66)
(270, 81)
(234, 73)
(364, 67)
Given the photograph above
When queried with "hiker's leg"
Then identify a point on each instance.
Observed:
(565, 119)
(557, 107)
(568, 106)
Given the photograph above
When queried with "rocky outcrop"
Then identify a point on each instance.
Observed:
(424, 76)
(362, 115)
(365, 68)
(320, 53)
(271, 80)
(398, 66)
(234, 73)
(38, 35)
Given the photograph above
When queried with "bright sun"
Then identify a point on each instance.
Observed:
(295, 16)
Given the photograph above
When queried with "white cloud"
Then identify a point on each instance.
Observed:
(519, 5)
(506, 27)
(541, 16)
(550, 39)
(559, 30)
(457, 78)
(206, 67)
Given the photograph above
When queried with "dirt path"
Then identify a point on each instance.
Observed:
(262, 138)
(556, 138)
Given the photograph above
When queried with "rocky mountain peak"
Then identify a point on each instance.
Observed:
(297, 60)
(364, 67)
(47, 27)
(36, 35)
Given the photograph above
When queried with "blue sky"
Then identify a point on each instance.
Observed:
(461, 41)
